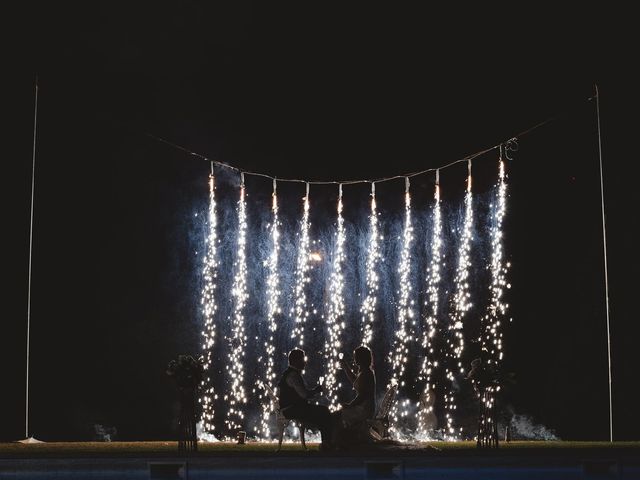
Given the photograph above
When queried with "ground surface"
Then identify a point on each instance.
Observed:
(432, 449)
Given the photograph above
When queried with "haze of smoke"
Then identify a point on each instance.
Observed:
(523, 428)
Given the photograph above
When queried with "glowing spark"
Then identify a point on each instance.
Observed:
(368, 308)
(315, 257)
(209, 310)
(235, 366)
(433, 280)
(301, 312)
(461, 304)
(400, 352)
(273, 309)
(335, 318)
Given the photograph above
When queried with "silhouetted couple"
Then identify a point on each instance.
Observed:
(344, 427)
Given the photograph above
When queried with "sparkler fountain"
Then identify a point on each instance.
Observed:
(209, 310)
(492, 337)
(491, 340)
(368, 308)
(461, 305)
(301, 312)
(273, 309)
(430, 361)
(237, 341)
(399, 354)
(335, 318)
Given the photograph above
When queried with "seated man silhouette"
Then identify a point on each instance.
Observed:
(294, 398)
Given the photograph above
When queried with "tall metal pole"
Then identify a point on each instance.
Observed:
(606, 270)
(33, 179)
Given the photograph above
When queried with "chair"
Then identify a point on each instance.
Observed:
(379, 425)
(281, 420)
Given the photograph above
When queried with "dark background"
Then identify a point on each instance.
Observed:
(322, 92)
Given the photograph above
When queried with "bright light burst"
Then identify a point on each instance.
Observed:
(400, 352)
(461, 305)
(428, 337)
(209, 311)
(273, 310)
(368, 308)
(301, 312)
(436, 329)
(335, 317)
(236, 398)
(491, 336)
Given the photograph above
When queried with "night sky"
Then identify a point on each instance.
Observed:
(319, 93)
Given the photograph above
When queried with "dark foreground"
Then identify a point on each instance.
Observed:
(437, 460)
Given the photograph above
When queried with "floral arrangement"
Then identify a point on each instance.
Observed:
(186, 370)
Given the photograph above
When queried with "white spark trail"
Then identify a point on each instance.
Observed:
(492, 336)
(400, 352)
(273, 310)
(335, 317)
(430, 362)
(235, 366)
(461, 305)
(301, 312)
(210, 307)
(368, 308)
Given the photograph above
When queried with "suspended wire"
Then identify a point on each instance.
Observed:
(508, 145)
(327, 182)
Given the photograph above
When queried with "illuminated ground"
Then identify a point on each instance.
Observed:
(14, 449)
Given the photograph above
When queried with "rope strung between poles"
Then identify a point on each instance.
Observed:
(510, 144)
